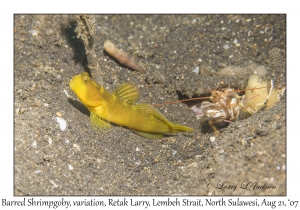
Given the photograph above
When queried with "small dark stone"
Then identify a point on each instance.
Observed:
(260, 132)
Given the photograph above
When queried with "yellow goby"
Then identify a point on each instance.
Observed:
(119, 108)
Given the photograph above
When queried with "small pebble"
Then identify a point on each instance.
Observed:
(34, 144)
(212, 139)
(37, 171)
(22, 110)
(261, 152)
(196, 70)
(62, 123)
(49, 141)
(77, 147)
(17, 110)
(34, 32)
(37, 103)
(243, 142)
(226, 46)
(58, 114)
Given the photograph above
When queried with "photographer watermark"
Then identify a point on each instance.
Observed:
(245, 185)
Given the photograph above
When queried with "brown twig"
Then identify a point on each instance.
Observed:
(122, 57)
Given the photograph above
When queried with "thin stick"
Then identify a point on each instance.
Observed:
(122, 56)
